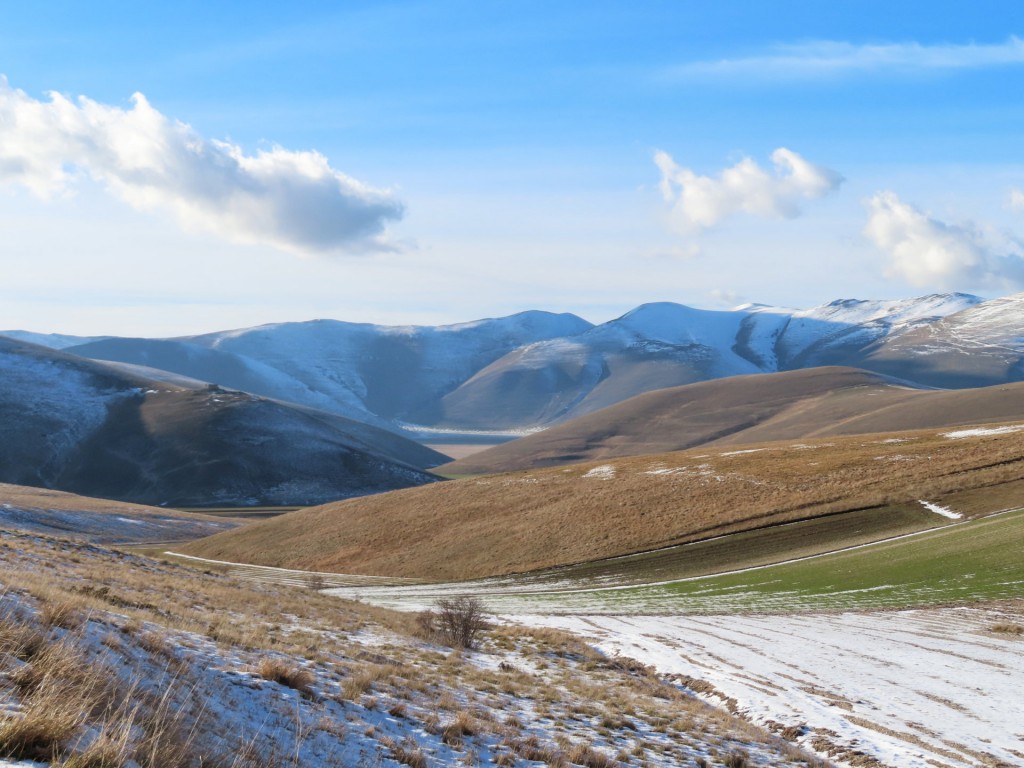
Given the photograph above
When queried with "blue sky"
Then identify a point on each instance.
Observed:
(480, 158)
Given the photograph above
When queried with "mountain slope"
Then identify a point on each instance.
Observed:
(983, 344)
(377, 374)
(817, 402)
(666, 345)
(85, 427)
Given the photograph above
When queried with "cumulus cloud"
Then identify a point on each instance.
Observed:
(927, 252)
(829, 58)
(290, 200)
(699, 202)
(1016, 200)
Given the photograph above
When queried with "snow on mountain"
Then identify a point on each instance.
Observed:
(376, 374)
(980, 345)
(535, 368)
(812, 334)
(64, 399)
(664, 345)
(51, 340)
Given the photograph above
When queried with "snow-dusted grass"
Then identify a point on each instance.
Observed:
(274, 676)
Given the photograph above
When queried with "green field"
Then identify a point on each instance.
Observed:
(978, 560)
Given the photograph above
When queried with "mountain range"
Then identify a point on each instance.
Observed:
(535, 369)
(299, 413)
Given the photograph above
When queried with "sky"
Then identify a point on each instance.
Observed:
(191, 167)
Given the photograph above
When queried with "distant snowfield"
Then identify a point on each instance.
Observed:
(914, 689)
(983, 431)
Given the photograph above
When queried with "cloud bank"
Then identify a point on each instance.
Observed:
(290, 200)
(700, 202)
(927, 252)
(830, 58)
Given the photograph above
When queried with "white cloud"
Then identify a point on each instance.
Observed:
(830, 58)
(290, 200)
(700, 202)
(927, 252)
(1016, 200)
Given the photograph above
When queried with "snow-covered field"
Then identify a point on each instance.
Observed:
(911, 688)
(906, 689)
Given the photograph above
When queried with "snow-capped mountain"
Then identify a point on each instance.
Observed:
(537, 368)
(981, 345)
(667, 345)
(377, 374)
(83, 426)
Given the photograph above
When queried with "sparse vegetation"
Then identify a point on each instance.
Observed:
(456, 622)
(1007, 628)
(151, 681)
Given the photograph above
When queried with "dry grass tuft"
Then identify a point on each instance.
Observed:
(1007, 628)
(281, 671)
(406, 752)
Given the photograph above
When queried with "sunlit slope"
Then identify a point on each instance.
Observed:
(792, 405)
(539, 518)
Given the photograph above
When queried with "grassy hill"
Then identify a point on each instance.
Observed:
(535, 519)
(817, 402)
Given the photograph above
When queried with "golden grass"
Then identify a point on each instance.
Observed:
(535, 519)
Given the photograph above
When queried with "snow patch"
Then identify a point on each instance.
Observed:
(603, 472)
(944, 511)
(982, 431)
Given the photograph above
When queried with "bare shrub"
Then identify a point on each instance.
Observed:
(60, 613)
(737, 760)
(454, 732)
(460, 621)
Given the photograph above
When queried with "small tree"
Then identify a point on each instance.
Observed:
(457, 622)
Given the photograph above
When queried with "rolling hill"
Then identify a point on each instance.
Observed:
(54, 513)
(816, 402)
(77, 425)
(524, 521)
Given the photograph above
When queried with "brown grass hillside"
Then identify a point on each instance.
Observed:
(817, 402)
(533, 519)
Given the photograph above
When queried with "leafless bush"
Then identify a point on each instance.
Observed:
(457, 622)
